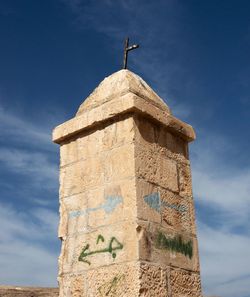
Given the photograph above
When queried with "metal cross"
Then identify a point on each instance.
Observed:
(128, 48)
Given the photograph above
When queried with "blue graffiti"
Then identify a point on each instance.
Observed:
(108, 206)
(180, 208)
(154, 201)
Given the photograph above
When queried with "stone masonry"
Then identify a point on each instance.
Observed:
(127, 220)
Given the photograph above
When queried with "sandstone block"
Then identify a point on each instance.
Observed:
(68, 153)
(118, 133)
(87, 145)
(106, 137)
(128, 280)
(100, 206)
(115, 280)
(153, 281)
(106, 246)
(167, 247)
(156, 168)
(90, 143)
(119, 164)
(159, 139)
(80, 176)
(175, 211)
(185, 283)
(118, 203)
(156, 204)
(72, 285)
(185, 180)
(148, 201)
(77, 210)
(192, 216)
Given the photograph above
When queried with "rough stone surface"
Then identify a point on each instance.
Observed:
(151, 251)
(125, 242)
(184, 283)
(127, 219)
(118, 84)
(72, 285)
(156, 168)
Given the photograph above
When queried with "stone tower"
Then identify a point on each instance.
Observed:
(127, 219)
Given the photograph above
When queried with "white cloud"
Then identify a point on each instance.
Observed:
(224, 262)
(27, 264)
(25, 252)
(14, 127)
(224, 189)
(49, 219)
(218, 183)
(35, 165)
(24, 260)
(29, 151)
(226, 193)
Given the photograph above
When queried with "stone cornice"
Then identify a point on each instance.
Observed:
(117, 106)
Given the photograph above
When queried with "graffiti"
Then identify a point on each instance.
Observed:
(175, 244)
(108, 206)
(180, 208)
(110, 288)
(113, 245)
(100, 237)
(154, 201)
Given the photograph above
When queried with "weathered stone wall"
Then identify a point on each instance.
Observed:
(127, 219)
(98, 211)
(165, 207)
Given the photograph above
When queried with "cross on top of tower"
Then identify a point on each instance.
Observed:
(128, 48)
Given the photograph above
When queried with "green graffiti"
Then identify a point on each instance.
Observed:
(175, 244)
(113, 245)
(110, 287)
(100, 237)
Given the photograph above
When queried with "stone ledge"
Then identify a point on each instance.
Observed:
(123, 105)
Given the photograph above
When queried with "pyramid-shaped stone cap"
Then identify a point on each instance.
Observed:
(121, 93)
(119, 84)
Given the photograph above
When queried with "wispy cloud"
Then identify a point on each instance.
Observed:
(224, 262)
(28, 238)
(26, 260)
(20, 130)
(29, 153)
(222, 191)
(36, 166)
(219, 182)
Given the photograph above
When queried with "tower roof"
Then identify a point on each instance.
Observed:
(119, 84)
(121, 93)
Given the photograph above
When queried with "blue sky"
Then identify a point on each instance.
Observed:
(195, 55)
